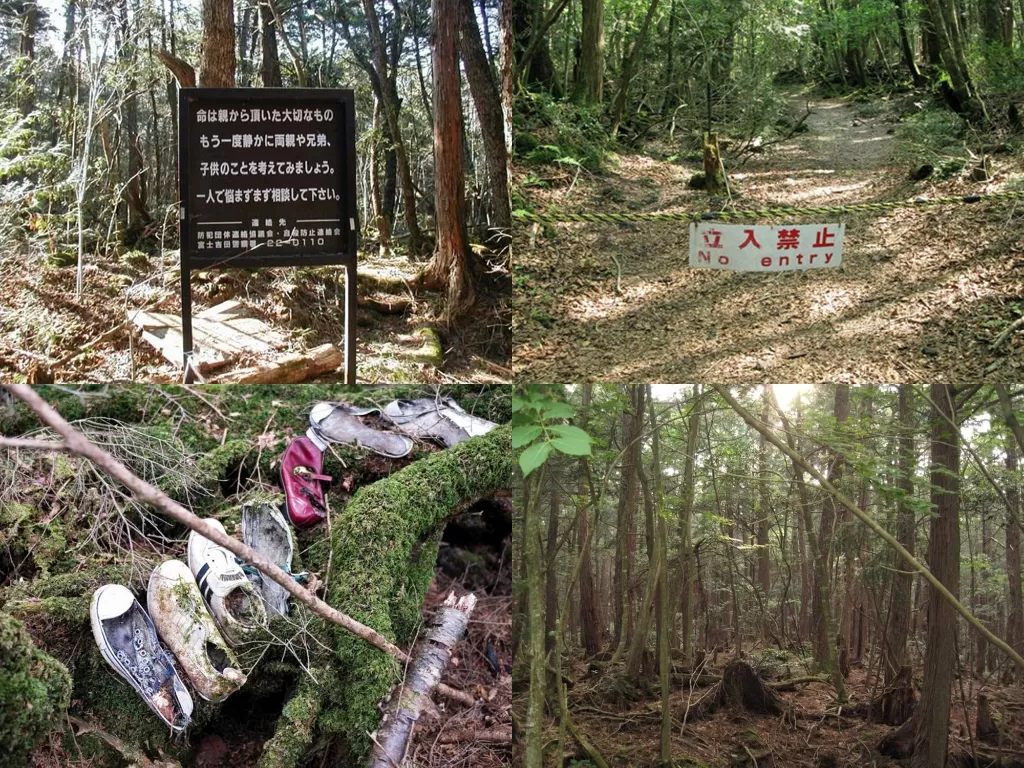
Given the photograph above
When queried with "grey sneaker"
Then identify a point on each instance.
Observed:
(340, 423)
(440, 419)
(128, 642)
(265, 530)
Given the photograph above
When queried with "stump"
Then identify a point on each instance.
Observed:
(896, 703)
(987, 728)
(899, 742)
(714, 176)
(744, 689)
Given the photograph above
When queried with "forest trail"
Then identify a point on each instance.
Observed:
(921, 296)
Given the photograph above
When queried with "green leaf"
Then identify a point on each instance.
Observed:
(524, 435)
(571, 440)
(533, 457)
(559, 411)
(518, 403)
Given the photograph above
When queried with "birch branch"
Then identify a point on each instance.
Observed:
(432, 657)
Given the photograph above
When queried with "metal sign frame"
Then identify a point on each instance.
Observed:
(191, 259)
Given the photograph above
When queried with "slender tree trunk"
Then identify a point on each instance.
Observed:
(763, 553)
(590, 607)
(685, 527)
(905, 47)
(534, 567)
(931, 735)
(1015, 614)
(270, 60)
(632, 422)
(29, 13)
(217, 59)
(135, 187)
(550, 573)
(626, 76)
(821, 619)
(391, 107)
(484, 90)
(895, 650)
(450, 267)
(379, 212)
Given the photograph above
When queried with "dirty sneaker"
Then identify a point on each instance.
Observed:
(186, 626)
(265, 530)
(128, 642)
(440, 419)
(302, 478)
(341, 423)
(233, 600)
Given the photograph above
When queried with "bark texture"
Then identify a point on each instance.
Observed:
(217, 62)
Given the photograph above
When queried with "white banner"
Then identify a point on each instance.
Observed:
(751, 248)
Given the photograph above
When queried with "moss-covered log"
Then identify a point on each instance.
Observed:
(34, 692)
(383, 549)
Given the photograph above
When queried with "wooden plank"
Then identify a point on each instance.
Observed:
(220, 334)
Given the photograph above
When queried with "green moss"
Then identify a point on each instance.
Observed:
(387, 540)
(294, 732)
(34, 693)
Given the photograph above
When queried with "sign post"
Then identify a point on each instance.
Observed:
(267, 178)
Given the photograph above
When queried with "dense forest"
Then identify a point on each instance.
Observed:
(791, 575)
(883, 115)
(88, 168)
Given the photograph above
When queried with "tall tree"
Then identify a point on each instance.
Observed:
(931, 735)
(450, 267)
(270, 61)
(590, 605)
(1015, 611)
(484, 90)
(590, 81)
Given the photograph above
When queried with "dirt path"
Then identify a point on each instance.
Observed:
(921, 295)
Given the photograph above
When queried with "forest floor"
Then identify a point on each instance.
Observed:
(921, 295)
(43, 327)
(629, 733)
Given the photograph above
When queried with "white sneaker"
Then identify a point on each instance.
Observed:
(236, 605)
(128, 641)
(188, 629)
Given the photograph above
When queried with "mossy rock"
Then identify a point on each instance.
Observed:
(35, 690)
(544, 154)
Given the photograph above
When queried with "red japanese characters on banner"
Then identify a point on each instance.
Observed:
(756, 248)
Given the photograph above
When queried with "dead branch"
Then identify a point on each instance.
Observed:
(77, 443)
(444, 631)
(788, 685)
(183, 72)
(486, 736)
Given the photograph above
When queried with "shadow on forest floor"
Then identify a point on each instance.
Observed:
(41, 323)
(922, 293)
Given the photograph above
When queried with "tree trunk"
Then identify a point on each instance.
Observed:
(1015, 614)
(898, 627)
(270, 60)
(821, 614)
(632, 426)
(379, 214)
(686, 556)
(450, 267)
(484, 90)
(29, 12)
(590, 607)
(905, 48)
(391, 107)
(628, 64)
(550, 574)
(135, 187)
(763, 552)
(534, 567)
(931, 733)
(590, 82)
(217, 59)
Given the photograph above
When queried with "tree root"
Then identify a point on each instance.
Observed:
(294, 732)
(739, 688)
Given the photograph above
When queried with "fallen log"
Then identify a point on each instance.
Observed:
(445, 630)
(290, 369)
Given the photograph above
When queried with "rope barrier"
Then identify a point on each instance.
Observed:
(762, 213)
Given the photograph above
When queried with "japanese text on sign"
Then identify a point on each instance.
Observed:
(267, 176)
(759, 248)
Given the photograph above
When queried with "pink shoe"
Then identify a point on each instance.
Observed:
(302, 477)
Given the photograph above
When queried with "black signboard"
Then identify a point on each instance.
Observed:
(267, 178)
